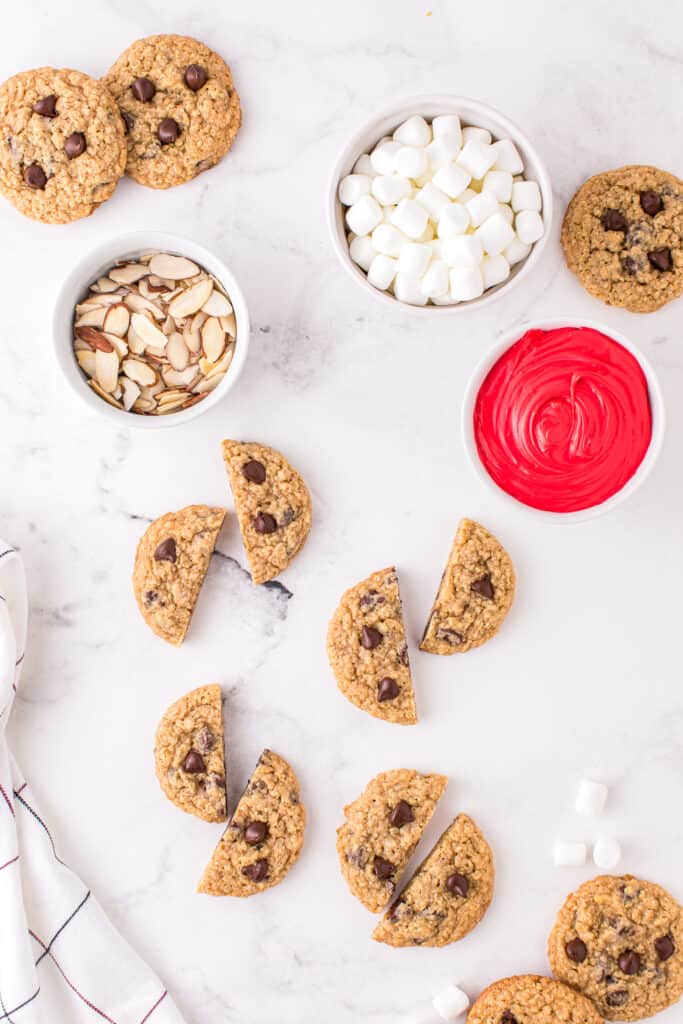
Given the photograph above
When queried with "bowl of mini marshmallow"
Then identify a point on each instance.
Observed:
(440, 204)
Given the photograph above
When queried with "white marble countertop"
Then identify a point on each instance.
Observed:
(585, 676)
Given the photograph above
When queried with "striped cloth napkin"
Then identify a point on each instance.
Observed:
(61, 961)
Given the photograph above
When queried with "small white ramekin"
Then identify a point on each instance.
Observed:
(92, 266)
(656, 409)
(471, 112)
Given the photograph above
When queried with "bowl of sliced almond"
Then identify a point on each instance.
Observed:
(152, 329)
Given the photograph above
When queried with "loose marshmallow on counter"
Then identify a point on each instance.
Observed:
(352, 187)
(407, 289)
(472, 134)
(412, 161)
(362, 251)
(433, 199)
(495, 234)
(413, 132)
(453, 221)
(526, 195)
(450, 1003)
(382, 271)
(414, 258)
(383, 157)
(388, 240)
(507, 157)
(466, 283)
(481, 207)
(462, 251)
(494, 270)
(591, 798)
(435, 282)
(500, 184)
(606, 853)
(364, 215)
(477, 158)
(452, 180)
(529, 226)
(569, 854)
(410, 217)
(390, 189)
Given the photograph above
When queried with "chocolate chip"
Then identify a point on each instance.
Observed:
(508, 1017)
(402, 654)
(194, 763)
(629, 265)
(383, 868)
(617, 998)
(483, 587)
(128, 120)
(143, 89)
(576, 951)
(370, 638)
(195, 77)
(150, 597)
(46, 107)
(449, 635)
(458, 885)
(264, 523)
(257, 871)
(402, 814)
(612, 220)
(75, 145)
(166, 551)
(254, 471)
(205, 740)
(387, 689)
(661, 259)
(665, 947)
(371, 599)
(629, 962)
(35, 176)
(255, 832)
(651, 202)
(169, 130)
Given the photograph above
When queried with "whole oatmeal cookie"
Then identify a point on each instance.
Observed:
(264, 836)
(272, 503)
(382, 828)
(62, 145)
(367, 649)
(530, 999)
(623, 237)
(475, 593)
(447, 896)
(188, 754)
(619, 940)
(179, 106)
(171, 562)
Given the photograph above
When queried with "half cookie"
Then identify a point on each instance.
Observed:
(170, 565)
(448, 894)
(272, 503)
(382, 828)
(188, 754)
(475, 593)
(530, 999)
(367, 648)
(264, 836)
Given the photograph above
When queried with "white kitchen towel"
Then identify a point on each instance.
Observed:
(61, 961)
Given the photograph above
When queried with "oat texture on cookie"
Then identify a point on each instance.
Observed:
(367, 649)
(171, 562)
(264, 836)
(62, 144)
(179, 105)
(188, 754)
(531, 999)
(272, 503)
(475, 593)
(447, 896)
(381, 830)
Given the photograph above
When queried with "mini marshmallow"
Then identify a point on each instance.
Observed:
(526, 195)
(452, 180)
(507, 157)
(450, 1003)
(529, 226)
(494, 270)
(466, 283)
(435, 282)
(433, 199)
(382, 271)
(383, 157)
(364, 215)
(414, 259)
(472, 134)
(477, 158)
(495, 234)
(462, 251)
(443, 150)
(443, 300)
(410, 217)
(505, 211)
(591, 798)
(516, 251)
(500, 184)
(388, 240)
(481, 207)
(446, 124)
(428, 233)
(606, 853)
(413, 132)
(454, 220)
(352, 187)
(362, 251)
(569, 854)
(389, 189)
(411, 161)
(363, 165)
(407, 289)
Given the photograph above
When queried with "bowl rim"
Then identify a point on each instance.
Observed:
(484, 365)
(447, 103)
(125, 246)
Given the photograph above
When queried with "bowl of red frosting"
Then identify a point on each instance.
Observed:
(565, 417)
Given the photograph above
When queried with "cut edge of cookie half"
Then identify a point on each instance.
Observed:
(448, 894)
(189, 756)
(272, 503)
(475, 594)
(171, 563)
(531, 999)
(368, 652)
(382, 827)
(265, 833)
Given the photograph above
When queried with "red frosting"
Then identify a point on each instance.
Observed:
(563, 419)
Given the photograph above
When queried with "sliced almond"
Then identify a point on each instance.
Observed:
(228, 324)
(152, 390)
(147, 331)
(177, 352)
(135, 342)
(103, 394)
(107, 370)
(138, 304)
(144, 405)
(86, 361)
(213, 339)
(81, 346)
(192, 300)
(131, 393)
(180, 378)
(120, 344)
(192, 339)
(117, 320)
(94, 338)
(217, 304)
(104, 284)
(155, 356)
(222, 364)
(177, 268)
(92, 317)
(192, 401)
(207, 384)
(169, 327)
(129, 273)
(172, 394)
(141, 373)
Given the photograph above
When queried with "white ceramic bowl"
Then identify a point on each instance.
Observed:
(92, 266)
(656, 409)
(471, 112)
